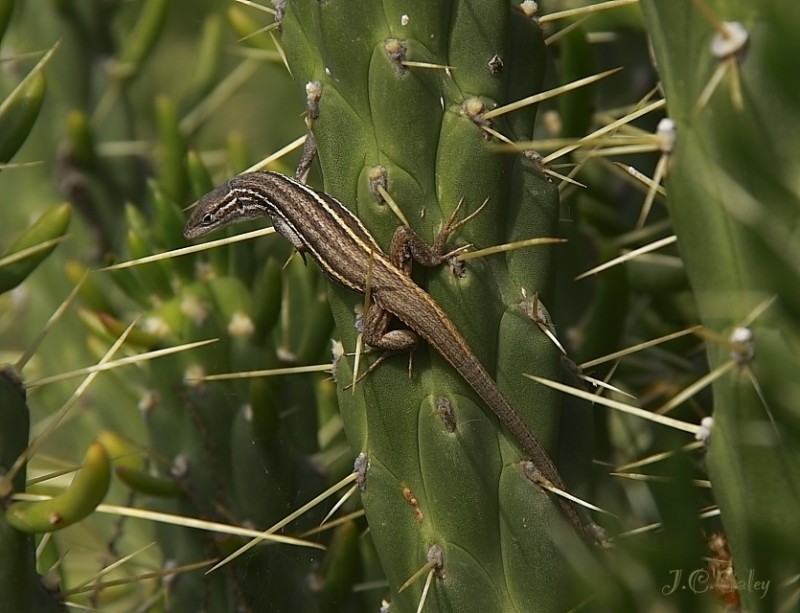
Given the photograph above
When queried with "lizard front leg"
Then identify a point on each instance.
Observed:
(407, 245)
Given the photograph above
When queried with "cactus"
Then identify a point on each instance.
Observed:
(734, 211)
(220, 450)
(87, 490)
(441, 474)
(19, 111)
(28, 251)
(213, 451)
(20, 586)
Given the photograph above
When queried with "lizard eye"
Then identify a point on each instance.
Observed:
(207, 220)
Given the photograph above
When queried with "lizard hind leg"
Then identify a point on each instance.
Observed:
(376, 334)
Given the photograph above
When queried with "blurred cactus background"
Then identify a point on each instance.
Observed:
(652, 344)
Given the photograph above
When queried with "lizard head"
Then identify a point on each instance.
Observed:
(218, 208)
